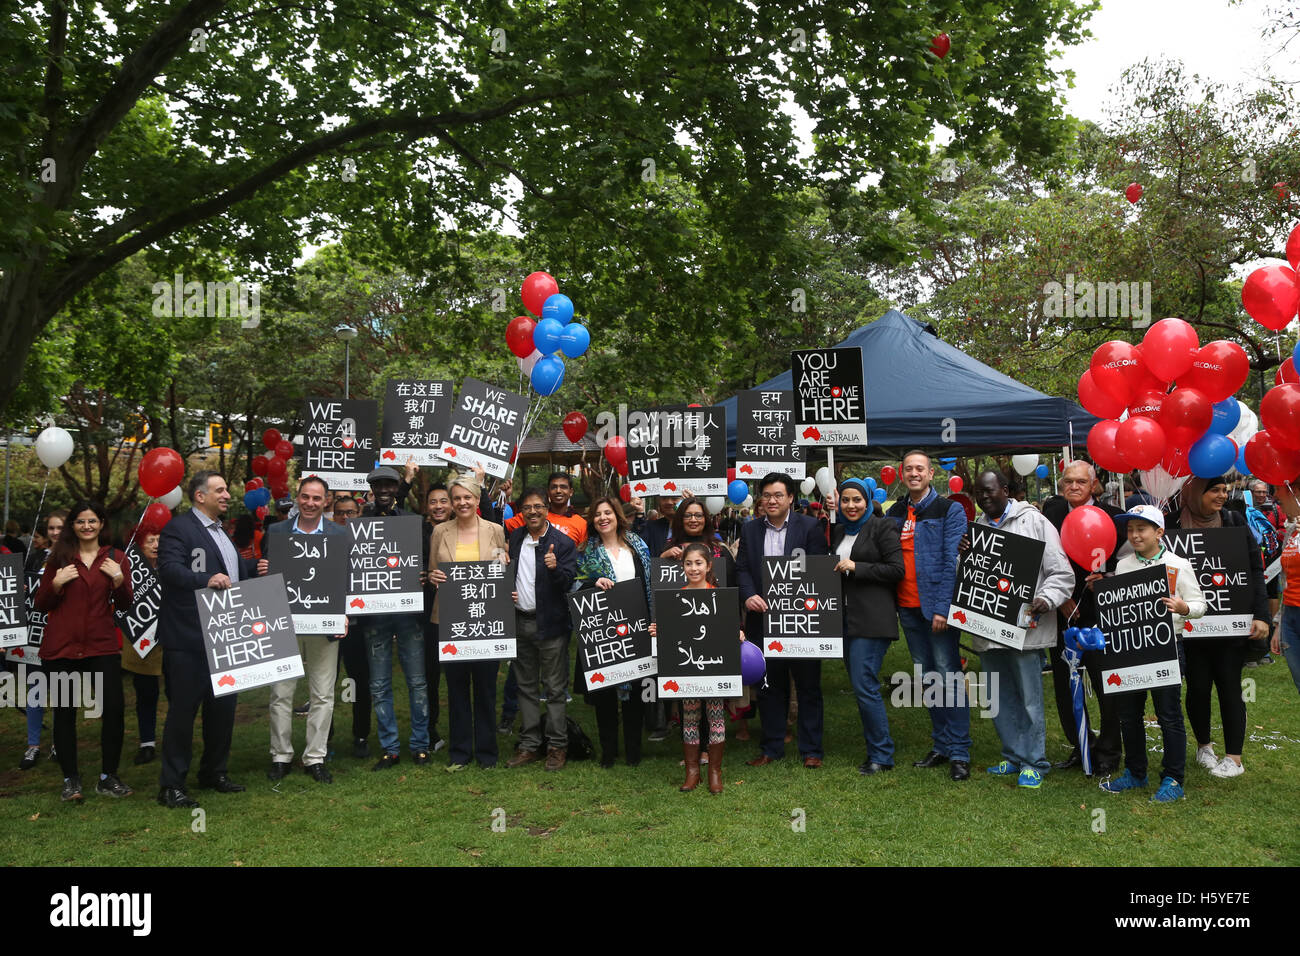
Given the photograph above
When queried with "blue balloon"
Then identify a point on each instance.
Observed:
(251, 499)
(947, 464)
(1295, 355)
(573, 340)
(1227, 414)
(507, 512)
(880, 494)
(1212, 455)
(558, 307)
(548, 375)
(1241, 462)
(737, 492)
(871, 484)
(265, 495)
(1042, 471)
(753, 666)
(546, 336)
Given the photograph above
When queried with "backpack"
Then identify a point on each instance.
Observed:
(1264, 533)
(580, 747)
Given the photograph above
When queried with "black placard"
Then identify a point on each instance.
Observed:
(693, 450)
(416, 415)
(385, 556)
(339, 441)
(805, 607)
(614, 643)
(476, 613)
(669, 574)
(996, 579)
(765, 435)
(1221, 560)
(829, 404)
(699, 642)
(1141, 647)
(35, 619)
(248, 634)
(140, 622)
(484, 427)
(315, 571)
(13, 599)
(643, 452)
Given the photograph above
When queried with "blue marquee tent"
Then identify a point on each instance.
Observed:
(922, 392)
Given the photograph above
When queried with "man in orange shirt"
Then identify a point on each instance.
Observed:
(559, 492)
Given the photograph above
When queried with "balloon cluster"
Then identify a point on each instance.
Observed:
(1166, 434)
(537, 345)
(1084, 638)
(271, 470)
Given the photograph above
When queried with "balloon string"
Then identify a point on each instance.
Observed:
(36, 522)
(136, 529)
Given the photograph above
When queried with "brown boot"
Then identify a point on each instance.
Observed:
(715, 767)
(692, 754)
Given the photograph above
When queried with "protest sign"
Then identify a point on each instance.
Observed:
(699, 642)
(476, 613)
(248, 634)
(338, 443)
(996, 578)
(139, 623)
(416, 415)
(668, 573)
(1221, 559)
(805, 608)
(765, 434)
(13, 598)
(643, 452)
(613, 626)
(385, 556)
(315, 570)
(829, 404)
(1141, 649)
(484, 428)
(693, 450)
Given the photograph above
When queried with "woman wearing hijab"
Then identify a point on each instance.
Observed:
(1219, 661)
(870, 557)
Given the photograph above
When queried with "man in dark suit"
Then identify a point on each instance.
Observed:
(194, 552)
(1080, 610)
(780, 531)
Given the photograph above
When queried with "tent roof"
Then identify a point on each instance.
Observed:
(920, 391)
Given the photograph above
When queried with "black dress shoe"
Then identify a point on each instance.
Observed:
(1074, 760)
(318, 773)
(222, 784)
(176, 799)
(932, 759)
(279, 770)
(871, 767)
(144, 756)
(959, 770)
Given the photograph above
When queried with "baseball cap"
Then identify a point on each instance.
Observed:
(1146, 513)
(382, 472)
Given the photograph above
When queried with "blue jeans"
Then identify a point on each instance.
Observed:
(862, 658)
(380, 631)
(939, 654)
(1289, 632)
(1018, 714)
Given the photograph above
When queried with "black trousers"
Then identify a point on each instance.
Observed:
(471, 712)
(1169, 712)
(100, 681)
(774, 705)
(1217, 662)
(432, 677)
(189, 688)
(606, 704)
(1106, 748)
(146, 705)
(356, 658)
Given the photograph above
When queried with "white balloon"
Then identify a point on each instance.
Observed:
(1246, 427)
(1161, 484)
(807, 485)
(748, 502)
(825, 480)
(526, 364)
(53, 446)
(1024, 464)
(715, 504)
(172, 498)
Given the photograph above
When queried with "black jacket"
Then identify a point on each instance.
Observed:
(551, 586)
(183, 547)
(1055, 510)
(869, 609)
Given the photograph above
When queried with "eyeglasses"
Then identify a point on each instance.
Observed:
(533, 508)
(770, 496)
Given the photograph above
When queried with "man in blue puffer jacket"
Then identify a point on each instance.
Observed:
(931, 527)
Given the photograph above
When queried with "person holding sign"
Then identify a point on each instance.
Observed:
(1146, 526)
(1019, 717)
(871, 560)
(690, 522)
(82, 582)
(1219, 661)
(781, 532)
(613, 554)
(471, 727)
(36, 558)
(145, 671)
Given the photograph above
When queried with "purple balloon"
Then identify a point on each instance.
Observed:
(753, 666)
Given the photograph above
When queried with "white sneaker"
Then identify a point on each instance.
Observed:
(1227, 767)
(1205, 757)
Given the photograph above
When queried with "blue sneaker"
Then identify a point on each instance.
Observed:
(1125, 781)
(1005, 769)
(1030, 779)
(1170, 790)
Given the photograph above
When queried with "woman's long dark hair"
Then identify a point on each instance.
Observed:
(699, 547)
(64, 551)
(621, 526)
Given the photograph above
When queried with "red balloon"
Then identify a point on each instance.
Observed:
(616, 453)
(1169, 348)
(1279, 413)
(252, 484)
(1116, 369)
(621, 468)
(1141, 442)
(1286, 373)
(1175, 462)
(1219, 369)
(968, 506)
(280, 490)
(270, 438)
(519, 335)
(1088, 536)
(276, 469)
(1134, 192)
(1268, 460)
(1147, 404)
(1093, 399)
(575, 425)
(1293, 248)
(537, 288)
(1101, 447)
(259, 465)
(940, 45)
(625, 493)
(160, 471)
(261, 511)
(889, 475)
(1271, 296)
(283, 449)
(955, 484)
(155, 516)
(1185, 416)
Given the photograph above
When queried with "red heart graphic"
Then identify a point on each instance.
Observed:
(357, 602)
(347, 442)
(392, 562)
(775, 646)
(810, 604)
(669, 486)
(836, 390)
(621, 629)
(389, 455)
(1187, 626)
(960, 617)
(598, 678)
(226, 681)
(1114, 679)
(747, 469)
(812, 432)
(1219, 579)
(449, 648)
(259, 627)
(449, 451)
(671, 685)
(1003, 584)
(145, 642)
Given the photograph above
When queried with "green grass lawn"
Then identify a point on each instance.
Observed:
(585, 815)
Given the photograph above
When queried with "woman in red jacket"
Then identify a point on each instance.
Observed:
(83, 580)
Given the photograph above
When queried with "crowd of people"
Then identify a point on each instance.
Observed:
(898, 568)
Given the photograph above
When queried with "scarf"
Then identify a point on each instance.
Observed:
(1191, 516)
(853, 527)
